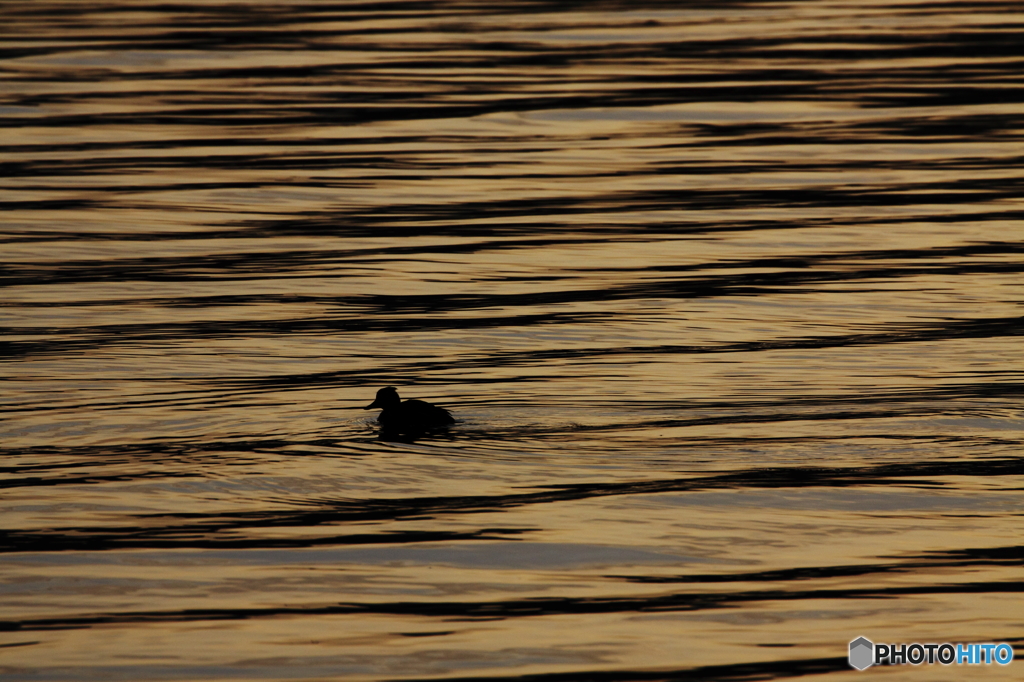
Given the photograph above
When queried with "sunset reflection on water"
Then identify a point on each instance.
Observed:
(725, 300)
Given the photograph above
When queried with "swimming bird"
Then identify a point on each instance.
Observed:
(409, 417)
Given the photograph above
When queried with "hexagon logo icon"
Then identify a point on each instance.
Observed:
(862, 653)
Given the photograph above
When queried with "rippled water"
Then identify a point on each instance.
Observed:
(726, 298)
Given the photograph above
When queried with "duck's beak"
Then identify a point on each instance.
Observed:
(372, 405)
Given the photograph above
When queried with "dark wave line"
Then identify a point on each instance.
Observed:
(200, 537)
(392, 220)
(387, 88)
(803, 268)
(391, 142)
(450, 49)
(75, 341)
(352, 115)
(951, 329)
(314, 264)
(868, 94)
(187, 452)
(39, 481)
(732, 672)
(319, 223)
(204, 528)
(984, 556)
(397, 160)
(826, 196)
(920, 129)
(523, 608)
(774, 418)
(86, 338)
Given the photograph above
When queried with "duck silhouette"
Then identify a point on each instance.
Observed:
(412, 417)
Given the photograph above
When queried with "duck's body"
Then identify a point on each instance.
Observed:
(410, 416)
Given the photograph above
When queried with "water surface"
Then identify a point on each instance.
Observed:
(725, 297)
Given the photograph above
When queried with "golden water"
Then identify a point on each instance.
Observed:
(725, 297)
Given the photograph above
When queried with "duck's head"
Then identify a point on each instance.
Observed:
(386, 397)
